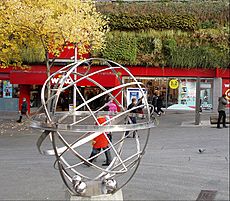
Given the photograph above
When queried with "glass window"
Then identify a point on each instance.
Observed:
(184, 96)
(206, 94)
(15, 91)
(35, 97)
(179, 93)
(172, 91)
(187, 92)
(8, 90)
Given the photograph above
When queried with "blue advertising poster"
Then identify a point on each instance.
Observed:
(134, 92)
(7, 89)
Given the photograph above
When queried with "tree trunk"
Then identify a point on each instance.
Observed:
(48, 74)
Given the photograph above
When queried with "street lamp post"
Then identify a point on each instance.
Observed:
(197, 115)
(74, 86)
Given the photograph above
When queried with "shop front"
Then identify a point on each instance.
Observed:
(17, 84)
(179, 93)
(177, 86)
(184, 96)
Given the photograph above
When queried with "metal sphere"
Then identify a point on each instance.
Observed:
(80, 188)
(111, 185)
(76, 180)
(71, 132)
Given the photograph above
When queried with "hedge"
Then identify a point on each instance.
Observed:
(209, 14)
(121, 47)
(206, 48)
(206, 57)
(124, 22)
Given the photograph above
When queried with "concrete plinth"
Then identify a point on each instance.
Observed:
(116, 196)
(95, 191)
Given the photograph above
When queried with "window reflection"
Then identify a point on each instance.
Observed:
(180, 93)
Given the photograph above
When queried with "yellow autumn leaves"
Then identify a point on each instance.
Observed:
(50, 24)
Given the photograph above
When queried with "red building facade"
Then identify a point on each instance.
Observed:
(16, 84)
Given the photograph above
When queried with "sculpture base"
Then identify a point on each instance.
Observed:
(116, 196)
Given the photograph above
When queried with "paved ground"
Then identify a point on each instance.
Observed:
(171, 169)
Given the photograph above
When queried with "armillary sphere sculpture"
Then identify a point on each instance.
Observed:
(71, 132)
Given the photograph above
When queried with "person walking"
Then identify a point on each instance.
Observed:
(222, 102)
(62, 103)
(154, 103)
(132, 119)
(100, 142)
(24, 110)
(159, 104)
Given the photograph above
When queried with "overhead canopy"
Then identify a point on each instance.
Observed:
(31, 77)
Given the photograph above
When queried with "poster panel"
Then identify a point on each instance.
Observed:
(226, 89)
(134, 92)
(7, 89)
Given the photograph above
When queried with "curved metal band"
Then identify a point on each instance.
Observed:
(92, 128)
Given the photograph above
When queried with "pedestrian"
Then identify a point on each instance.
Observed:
(154, 103)
(132, 119)
(101, 142)
(200, 110)
(112, 107)
(62, 100)
(222, 102)
(159, 104)
(24, 110)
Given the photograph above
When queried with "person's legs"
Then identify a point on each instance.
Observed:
(129, 122)
(93, 153)
(158, 111)
(110, 136)
(155, 109)
(134, 120)
(62, 107)
(108, 157)
(224, 119)
(20, 119)
(162, 111)
(219, 118)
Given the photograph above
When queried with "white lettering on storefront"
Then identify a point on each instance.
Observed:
(226, 85)
(57, 80)
(54, 80)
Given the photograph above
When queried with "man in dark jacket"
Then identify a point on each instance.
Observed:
(221, 110)
(159, 104)
(154, 103)
(24, 110)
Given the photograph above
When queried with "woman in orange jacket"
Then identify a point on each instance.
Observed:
(101, 142)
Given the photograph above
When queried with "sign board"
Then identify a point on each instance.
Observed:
(135, 92)
(173, 84)
(226, 90)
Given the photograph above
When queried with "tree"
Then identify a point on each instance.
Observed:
(51, 24)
